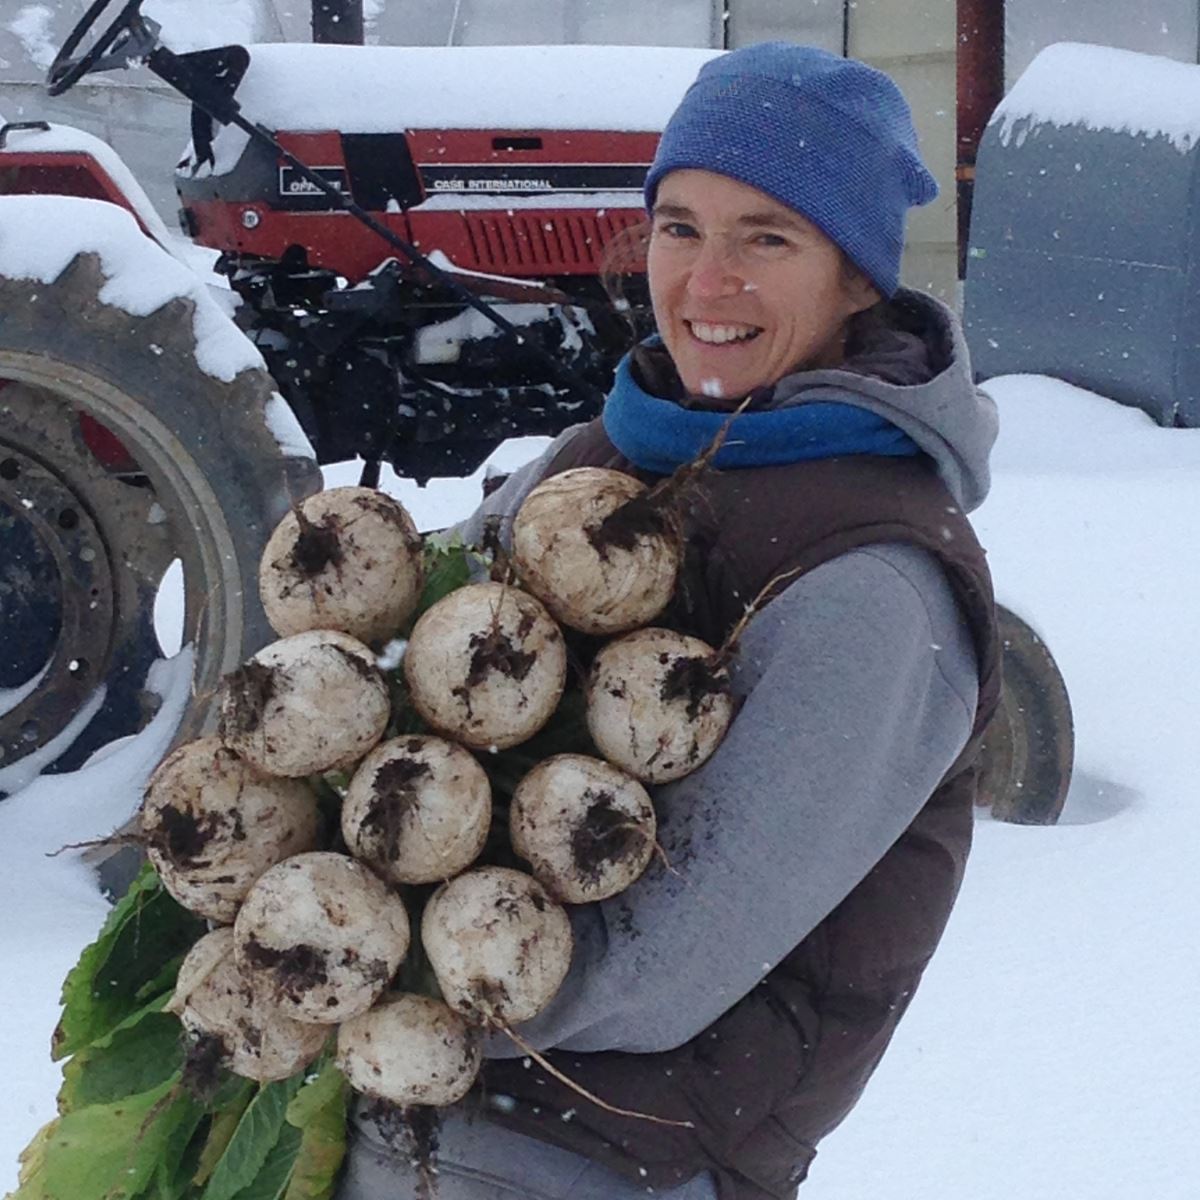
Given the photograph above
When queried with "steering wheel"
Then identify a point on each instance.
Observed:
(65, 72)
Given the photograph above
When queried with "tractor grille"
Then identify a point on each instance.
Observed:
(564, 243)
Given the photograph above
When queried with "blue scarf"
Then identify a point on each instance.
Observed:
(660, 435)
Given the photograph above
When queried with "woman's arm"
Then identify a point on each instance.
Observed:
(860, 688)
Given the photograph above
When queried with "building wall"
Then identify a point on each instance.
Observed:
(914, 42)
(517, 22)
(815, 22)
(1167, 27)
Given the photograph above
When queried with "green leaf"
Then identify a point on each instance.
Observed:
(139, 1054)
(254, 1138)
(319, 1111)
(177, 1155)
(271, 1182)
(327, 1087)
(108, 1151)
(221, 1131)
(142, 935)
(447, 568)
(33, 1162)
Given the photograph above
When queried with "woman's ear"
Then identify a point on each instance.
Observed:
(861, 293)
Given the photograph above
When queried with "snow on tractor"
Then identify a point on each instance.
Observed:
(411, 272)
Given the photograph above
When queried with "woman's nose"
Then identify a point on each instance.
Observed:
(714, 270)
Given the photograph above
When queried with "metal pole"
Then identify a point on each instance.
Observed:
(339, 21)
(980, 89)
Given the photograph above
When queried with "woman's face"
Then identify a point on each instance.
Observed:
(744, 289)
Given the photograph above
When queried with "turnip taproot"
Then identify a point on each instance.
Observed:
(590, 546)
(658, 703)
(213, 824)
(216, 1001)
(347, 559)
(585, 827)
(499, 946)
(308, 703)
(321, 936)
(486, 666)
(418, 810)
(409, 1049)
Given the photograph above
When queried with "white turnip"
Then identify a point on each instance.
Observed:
(658, 703)
(595, 551)
(213, 824)
(499, 946)
(585, 827)
(321, 936)
(418, 810)
(308, 703)
(348, 559)
(408, 1050)
(486, 666)
(216, 1001)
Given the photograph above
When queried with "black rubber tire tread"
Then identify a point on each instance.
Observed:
(1029, 748)
(212, 461)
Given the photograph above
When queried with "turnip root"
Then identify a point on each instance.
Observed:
(595, 552)
(213, 824)
(347, 559)
(308, 703)
(321, 936)
(418, 810)
(499, 946)
(658, 703)
(217, 1001)
(409, 1050)
(584, 826)
(486, 666)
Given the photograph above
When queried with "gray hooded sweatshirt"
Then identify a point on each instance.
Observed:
(866, 649)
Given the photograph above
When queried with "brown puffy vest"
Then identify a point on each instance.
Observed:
(781, 1068)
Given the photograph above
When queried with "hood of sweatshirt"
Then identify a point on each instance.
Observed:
(908, 363)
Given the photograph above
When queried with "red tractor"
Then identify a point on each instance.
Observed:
(411, 248)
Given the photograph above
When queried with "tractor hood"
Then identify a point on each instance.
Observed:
(390, 89)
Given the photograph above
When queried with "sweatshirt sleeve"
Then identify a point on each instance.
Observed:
(859, 685)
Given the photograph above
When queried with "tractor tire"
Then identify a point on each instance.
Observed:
(84, 547)
(1029, 748)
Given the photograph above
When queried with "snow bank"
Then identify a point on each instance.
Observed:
(52, 904)
(1101, 87)
(40, 235)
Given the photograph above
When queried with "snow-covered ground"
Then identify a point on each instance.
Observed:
(1052, 1052)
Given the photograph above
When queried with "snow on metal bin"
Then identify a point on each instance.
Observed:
(1084, 258)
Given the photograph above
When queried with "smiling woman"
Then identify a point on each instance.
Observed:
(745, 289)
(744, 989)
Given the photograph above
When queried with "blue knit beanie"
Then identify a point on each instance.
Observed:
(829, 137)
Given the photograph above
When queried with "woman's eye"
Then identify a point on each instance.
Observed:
(677, 229)
(770, 240)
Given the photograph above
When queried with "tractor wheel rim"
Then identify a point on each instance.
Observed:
(189, 513)
(57, 525)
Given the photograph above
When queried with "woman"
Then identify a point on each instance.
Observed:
(747, 995)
